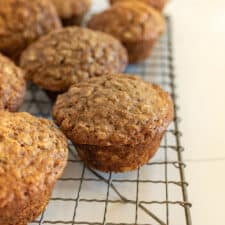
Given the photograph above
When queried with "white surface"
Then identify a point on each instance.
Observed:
(199, 41)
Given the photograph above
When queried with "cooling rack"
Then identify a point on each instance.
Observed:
(155, 194)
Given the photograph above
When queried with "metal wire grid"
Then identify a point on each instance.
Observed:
(155, 194)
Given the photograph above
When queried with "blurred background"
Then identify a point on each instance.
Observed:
(199, 51)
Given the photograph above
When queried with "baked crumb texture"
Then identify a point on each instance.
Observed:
(12, 85)
(72, 12)
(157, 4)
(33, 154)
(116, 121)
(71, 55)
(137, 25)
(22, 22)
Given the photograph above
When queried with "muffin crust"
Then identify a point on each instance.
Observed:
(137, 25)
(72, 55)
(12, 85)
(33, 155)
(22, 22)
(157, 4)
(119, 158)
(72, 11)
(112, 117)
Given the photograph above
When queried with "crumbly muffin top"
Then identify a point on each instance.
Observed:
(68, 8)
(157, 4)
(113, 110)
(23, 21)
(129, 21)
(33, 155)
(71, 55)
(12, 85)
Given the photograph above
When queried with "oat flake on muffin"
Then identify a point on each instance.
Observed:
(12, 85)
(157, 4)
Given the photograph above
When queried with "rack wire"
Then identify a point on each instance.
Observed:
(155, 194)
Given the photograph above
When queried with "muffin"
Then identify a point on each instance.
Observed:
(33, 155)
(72, 12)
(12, 85)
(115, 121)
(137, 25)
(71, 55)
(157, 4)
(22, 22)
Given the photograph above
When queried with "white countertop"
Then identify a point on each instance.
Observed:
(199, 42)
(199, 38)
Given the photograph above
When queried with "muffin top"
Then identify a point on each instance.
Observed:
(157, 4)
(69, 8)
(33, 154)
(23, 21)
(113, 110)
(12, 85)
(71, 55)
(129, 21)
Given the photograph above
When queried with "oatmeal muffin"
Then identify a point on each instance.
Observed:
(33, 154)
(137, 25)
(71, 55)
(115, 121)
(12, 85)
(22, 22)
(72, 12)
(157, 4)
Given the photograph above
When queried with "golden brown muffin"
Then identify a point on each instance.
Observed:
(135, 24)
(72, 11)
(72, 55)
(157, 4)
(115, 121)
(33, 154)
(12, 85)
(22, 22)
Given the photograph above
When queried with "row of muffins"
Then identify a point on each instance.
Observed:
(134, 23)
(116, 121)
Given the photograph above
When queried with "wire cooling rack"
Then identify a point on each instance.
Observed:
(155, 194)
